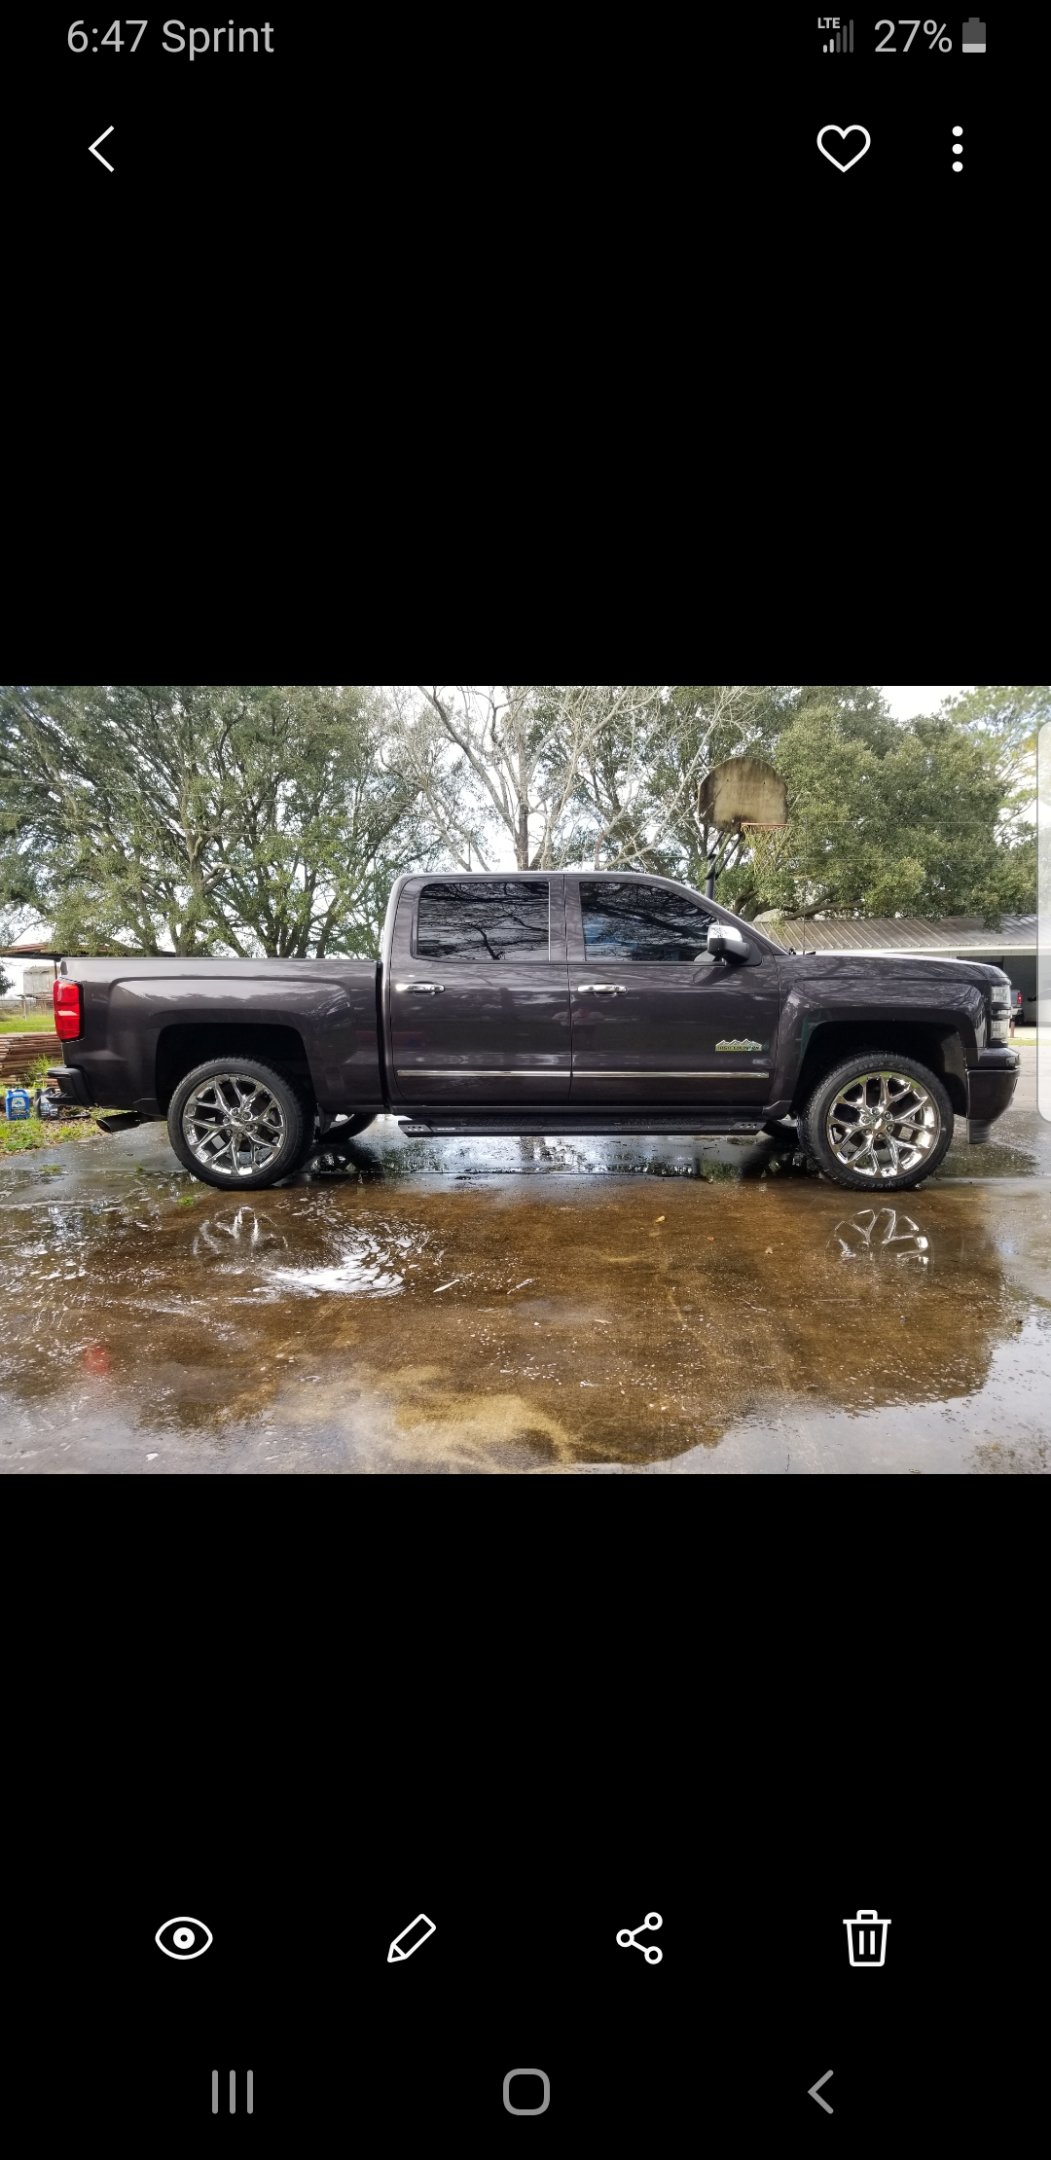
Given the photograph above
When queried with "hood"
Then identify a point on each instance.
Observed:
(888, 967)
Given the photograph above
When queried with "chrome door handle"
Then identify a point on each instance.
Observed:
(602, 989)
(431, 988)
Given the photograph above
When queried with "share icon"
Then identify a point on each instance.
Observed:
(627, 1938)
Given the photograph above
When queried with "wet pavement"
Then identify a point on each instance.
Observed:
(527, 1305)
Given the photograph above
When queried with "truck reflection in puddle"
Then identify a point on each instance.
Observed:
(882, 1234)
(569, 1321)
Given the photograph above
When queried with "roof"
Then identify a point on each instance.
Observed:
(956, 934)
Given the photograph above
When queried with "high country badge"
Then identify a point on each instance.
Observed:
(740, 1046)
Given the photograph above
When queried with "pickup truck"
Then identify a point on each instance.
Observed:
(561, 1002)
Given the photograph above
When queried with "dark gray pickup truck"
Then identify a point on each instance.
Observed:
(543, 1003)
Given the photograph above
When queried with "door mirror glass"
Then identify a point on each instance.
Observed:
(726, 943)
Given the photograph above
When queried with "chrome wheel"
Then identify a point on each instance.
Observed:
(234, 1125)
(883, 1125)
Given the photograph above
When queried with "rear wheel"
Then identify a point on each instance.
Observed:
(234, 1122)
(878, 1123)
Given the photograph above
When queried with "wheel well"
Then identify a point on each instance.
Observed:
(939, 1048)
(179, 1049)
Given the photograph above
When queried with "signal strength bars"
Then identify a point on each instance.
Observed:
(843, 40)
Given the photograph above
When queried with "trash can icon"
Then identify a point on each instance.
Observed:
(866, 1938)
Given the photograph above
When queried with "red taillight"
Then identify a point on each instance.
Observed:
(67, 1011)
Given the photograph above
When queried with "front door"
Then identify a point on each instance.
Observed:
(656, 1020)
(479, 994)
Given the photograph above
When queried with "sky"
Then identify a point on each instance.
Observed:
(905, 704)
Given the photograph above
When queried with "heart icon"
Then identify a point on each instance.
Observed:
(843, 133)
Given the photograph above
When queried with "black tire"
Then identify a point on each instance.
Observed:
(287, 1131)
(928, 1117)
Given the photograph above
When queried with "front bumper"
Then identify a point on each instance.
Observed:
(70, 1083)
(990, 1087)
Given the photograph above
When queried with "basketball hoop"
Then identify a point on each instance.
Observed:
(742, 793)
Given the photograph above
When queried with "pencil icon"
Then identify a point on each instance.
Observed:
(418, 1931)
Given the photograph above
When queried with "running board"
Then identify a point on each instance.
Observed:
(585, 1127)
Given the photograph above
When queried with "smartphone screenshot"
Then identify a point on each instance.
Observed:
(494, 1097)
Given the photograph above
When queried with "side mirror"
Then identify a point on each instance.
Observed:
(726, 943)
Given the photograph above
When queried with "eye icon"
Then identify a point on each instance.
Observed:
(183, 1938)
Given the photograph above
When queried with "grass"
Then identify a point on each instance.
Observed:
(19, 1135)
(36, 1024)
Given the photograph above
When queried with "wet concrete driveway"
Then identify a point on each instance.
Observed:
(527, 1305)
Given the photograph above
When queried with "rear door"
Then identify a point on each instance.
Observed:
(478, 992)
(656, 1020)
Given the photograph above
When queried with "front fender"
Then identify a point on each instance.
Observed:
(811, 1006)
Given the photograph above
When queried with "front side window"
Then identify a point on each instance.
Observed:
(641, 922)
(484, 919)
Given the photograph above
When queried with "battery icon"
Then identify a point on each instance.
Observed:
(973, 35)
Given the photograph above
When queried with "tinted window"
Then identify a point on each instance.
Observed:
(641, 922)
(498, 919)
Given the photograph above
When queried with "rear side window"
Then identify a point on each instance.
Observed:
(484, 919)
(641, 922)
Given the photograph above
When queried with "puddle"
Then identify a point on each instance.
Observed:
(550, 1306)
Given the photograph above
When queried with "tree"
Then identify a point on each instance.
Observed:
(1012, 718)
(559, 773)
(204, 818)
(693, 729)
(274, 819)
(531, 773)
(886, 818)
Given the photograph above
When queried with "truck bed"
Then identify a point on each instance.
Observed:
(145, 1020)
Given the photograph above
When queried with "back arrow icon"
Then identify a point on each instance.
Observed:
(96, 152)
(814, 2092)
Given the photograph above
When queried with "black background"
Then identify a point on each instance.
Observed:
(753, 1861)
(420, 255)
(535, 1711)
(448, 135)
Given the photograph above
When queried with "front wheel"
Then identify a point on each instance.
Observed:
(234, 1122)
(878, 1122)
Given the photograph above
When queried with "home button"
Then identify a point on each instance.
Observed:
(539, 2088)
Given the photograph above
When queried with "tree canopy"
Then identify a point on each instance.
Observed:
(273, 819)
(201, 818)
